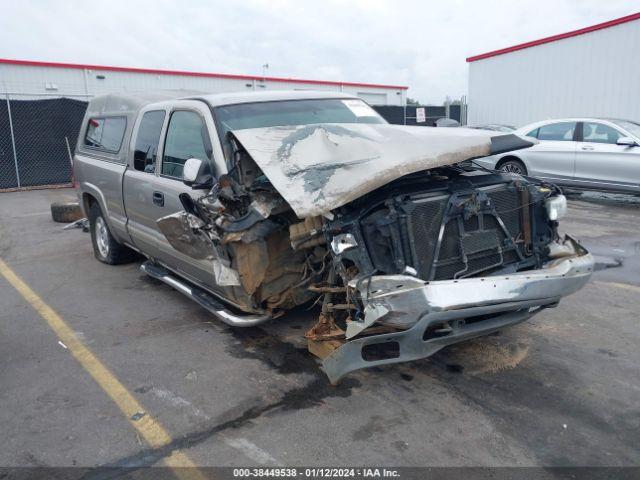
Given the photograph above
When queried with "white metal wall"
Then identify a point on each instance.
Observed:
(594, 74)
(77, 81)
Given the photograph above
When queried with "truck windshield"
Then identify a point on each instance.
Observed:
(293, 112)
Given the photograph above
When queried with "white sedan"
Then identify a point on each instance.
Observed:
(587, 153)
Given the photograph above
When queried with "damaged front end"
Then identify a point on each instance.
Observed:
(405, 251)
(446, 259)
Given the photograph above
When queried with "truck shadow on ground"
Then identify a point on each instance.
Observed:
(529, 390)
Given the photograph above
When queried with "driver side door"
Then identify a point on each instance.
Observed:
(187, 136)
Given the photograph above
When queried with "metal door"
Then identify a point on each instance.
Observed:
(188, 134)
(142, 202)
(601, 163)
(554, 156)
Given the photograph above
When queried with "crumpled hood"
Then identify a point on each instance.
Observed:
(317, 168)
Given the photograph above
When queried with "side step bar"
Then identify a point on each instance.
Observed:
(203, 298)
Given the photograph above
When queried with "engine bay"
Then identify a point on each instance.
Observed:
(445, 223)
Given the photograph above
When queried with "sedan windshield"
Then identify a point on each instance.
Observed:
(293, 112)
(632, 127)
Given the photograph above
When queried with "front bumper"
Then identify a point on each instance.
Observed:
(452, 311)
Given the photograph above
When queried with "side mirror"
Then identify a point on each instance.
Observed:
(628, 141)
(197, 174)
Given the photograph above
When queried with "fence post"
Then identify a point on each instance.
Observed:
(13, 140)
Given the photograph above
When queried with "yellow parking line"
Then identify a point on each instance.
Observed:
(148, 427)
(624, 286)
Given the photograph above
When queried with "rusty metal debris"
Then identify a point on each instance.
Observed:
(325, 329)
(307, 234)
(326, 289)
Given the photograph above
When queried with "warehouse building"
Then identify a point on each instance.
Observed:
(75, 80)
(591, 72)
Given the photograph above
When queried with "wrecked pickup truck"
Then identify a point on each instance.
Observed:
(254, 203)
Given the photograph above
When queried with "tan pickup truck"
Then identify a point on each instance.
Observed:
(254, 203)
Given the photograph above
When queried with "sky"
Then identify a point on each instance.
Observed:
(420, 44)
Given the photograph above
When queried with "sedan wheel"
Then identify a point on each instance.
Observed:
(514, 167)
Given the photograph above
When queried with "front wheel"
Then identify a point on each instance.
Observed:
(105, 248)
(513, 166)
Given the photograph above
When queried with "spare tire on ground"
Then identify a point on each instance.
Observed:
(66, 212)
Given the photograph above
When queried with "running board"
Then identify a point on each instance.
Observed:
(202, 298)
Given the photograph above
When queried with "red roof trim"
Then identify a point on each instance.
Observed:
(553, 38)
(31, 63)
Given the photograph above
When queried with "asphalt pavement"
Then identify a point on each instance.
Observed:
(560, 390)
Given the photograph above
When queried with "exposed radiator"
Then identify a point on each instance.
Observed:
(447, 242)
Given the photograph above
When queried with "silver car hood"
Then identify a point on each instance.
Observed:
(317, 168)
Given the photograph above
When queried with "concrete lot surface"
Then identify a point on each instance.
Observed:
(561, 389)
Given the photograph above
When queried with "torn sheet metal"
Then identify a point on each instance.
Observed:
(184, 232)
(371, 314)
(317, 168)
(252, 261)
(224, 275)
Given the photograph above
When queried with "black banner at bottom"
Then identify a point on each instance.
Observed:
(404, 473)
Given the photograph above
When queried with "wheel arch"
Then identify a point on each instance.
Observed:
(91, 194)
(508, 157)
(87, 201)
(512, 157)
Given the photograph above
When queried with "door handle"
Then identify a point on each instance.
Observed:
(158, 199)
(587, 147)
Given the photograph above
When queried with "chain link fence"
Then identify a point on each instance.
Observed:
(34, 131)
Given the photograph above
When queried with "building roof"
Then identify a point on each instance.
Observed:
(31, 63)
(554, 38)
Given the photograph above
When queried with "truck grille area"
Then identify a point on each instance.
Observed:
(450, 236)
(479, 232)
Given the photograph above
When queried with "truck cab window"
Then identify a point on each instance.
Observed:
(146, 151)
(105, 134)
(187, 137)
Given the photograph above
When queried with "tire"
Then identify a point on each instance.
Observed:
(66, 212)
(105, 248)
(514, 166)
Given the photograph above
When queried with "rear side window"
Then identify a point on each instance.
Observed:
(562, 131)
(105, 133)
(187, 137)
(146, 151)
(599, 133)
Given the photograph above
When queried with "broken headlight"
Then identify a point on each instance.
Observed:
(556, 207)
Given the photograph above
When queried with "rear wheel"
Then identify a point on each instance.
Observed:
(513, 166)
(105, 248)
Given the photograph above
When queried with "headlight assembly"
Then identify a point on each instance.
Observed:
(556, 207)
